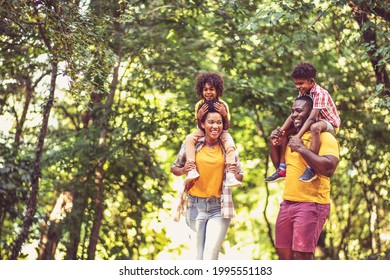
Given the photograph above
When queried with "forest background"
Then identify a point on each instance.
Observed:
(96, 98)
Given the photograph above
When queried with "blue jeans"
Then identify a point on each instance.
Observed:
(203, 216)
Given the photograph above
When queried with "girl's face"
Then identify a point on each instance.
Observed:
(209, 92)
(303, 85)
(213, 125)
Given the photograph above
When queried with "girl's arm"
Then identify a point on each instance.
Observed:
(201, 111)
(223, 111)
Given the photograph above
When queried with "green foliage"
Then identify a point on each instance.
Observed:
(157, 48)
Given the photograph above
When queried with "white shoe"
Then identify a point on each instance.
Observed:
(231, 180)
(192, 174)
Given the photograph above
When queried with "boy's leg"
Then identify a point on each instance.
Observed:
(190, 152)
(315, 130)
(280, 173)
(230, 150)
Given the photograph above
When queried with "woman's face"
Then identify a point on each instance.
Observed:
(213, 125)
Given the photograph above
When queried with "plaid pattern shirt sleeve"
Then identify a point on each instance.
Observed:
(227, 205)
(323, 101)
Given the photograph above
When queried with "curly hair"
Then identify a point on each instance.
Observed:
(213, 79)
(304, 70)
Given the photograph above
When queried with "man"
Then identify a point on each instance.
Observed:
(305, 206)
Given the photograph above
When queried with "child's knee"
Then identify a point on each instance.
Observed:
(318, 127)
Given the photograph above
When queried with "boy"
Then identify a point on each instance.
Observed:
(323, 117)
(209, 87)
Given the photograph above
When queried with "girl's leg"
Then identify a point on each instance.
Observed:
(230, 150)
(229, 146)
(190, 153)
(190, 144)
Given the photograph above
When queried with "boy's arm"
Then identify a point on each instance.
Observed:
(223, 111)
(275, 149)
(279, 132)
(310, 120)
(325, 164)
(287, 124)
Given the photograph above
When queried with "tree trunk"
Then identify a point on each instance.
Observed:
(36, 173)
(50, 240)
(99, 181)
(369, 36)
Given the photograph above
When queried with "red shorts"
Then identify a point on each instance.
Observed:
(299, 225)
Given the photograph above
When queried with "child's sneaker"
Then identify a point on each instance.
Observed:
(308, 176)
(192, 174)
(277, 176)
(231, 180)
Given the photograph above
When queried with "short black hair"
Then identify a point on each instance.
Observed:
(307, 99)
(304, 70)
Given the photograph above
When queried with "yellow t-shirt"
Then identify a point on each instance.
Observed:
(200, 102)
(210, 163)
(318, 190)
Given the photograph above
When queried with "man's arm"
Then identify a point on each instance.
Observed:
(325, 165)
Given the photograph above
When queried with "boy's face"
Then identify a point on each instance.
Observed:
(209, 92)
(304, 85)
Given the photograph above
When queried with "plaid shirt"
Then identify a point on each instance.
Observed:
(227, 205)
(323, 101)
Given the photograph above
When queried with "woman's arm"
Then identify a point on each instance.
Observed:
(178, 170)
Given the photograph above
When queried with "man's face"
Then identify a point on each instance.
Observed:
(299, 113)
(303, 85)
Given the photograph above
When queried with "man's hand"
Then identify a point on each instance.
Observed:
(276, 136)
(295, 143)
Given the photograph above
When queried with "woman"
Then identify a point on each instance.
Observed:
(209, 202)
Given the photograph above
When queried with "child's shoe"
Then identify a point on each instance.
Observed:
(231, 180)
(280, 174)
(308, 176)
(192, 174)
